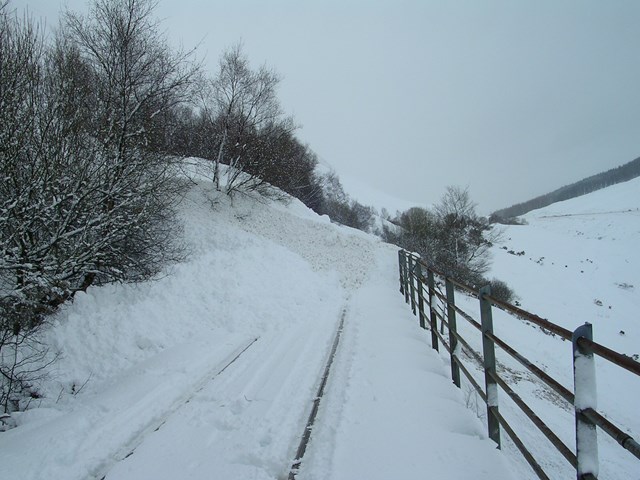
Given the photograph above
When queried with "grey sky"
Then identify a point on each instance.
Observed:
(512, 98)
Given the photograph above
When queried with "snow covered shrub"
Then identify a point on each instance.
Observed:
(82, 199)
(501, 291)
(23, 361)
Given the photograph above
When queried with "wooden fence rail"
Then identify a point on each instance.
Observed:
(418, 285)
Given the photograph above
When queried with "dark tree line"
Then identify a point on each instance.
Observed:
(237, 121)
(341, 208)
(625, 172)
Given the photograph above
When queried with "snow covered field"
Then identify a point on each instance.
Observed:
(574, 262)
(211, 370)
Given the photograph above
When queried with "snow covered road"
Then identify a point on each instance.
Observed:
(85, 442)
(390, 409)
(179, 389)
(245, 423)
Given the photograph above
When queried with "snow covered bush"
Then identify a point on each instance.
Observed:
(83, 201)
(501, 291)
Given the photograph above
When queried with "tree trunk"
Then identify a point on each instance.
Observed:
(216, 168)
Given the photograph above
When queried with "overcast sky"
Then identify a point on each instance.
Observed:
(510, 98)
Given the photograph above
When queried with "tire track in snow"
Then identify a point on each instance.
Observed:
(130, 448)
(306, 436)
(246, 424)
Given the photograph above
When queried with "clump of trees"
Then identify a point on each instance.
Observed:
(236, 119)
(452, 237)
(85, 199)
(341, 208)
(238, 122)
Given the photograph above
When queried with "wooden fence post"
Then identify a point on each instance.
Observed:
(420, 295)
(453, 340)
(412, 274)
(433, 319)
(408, 277)
(405, 266)
(489, 354)
(584, 380)
(400, 261)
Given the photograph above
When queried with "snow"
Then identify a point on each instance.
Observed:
(210, 370)
(492, 395)
(580, 264)
(392, 410)
(586, 396)
(586, 387)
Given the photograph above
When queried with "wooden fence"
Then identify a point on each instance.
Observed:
(421, 286)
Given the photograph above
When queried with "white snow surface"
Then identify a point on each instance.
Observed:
(210, 370)
(581, 263)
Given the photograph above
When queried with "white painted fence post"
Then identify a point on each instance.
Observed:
(584, 380)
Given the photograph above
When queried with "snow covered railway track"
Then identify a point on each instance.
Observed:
(102, 472)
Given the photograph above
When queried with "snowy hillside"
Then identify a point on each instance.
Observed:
(366, 194)
(581, 263)
(210, 371)
(574, 262)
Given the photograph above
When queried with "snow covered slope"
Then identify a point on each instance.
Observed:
(367, 194)
(581, 263)
(370, 196)
(210, 371)
(578, 261)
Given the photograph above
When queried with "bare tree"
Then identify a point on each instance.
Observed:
(83, 200)
(21, 52)
(138, 75)
(456, 201)
(241, 104)
(137, 78)
(463, 247)
(452, 237)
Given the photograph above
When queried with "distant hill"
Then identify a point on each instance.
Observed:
(623, 173)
